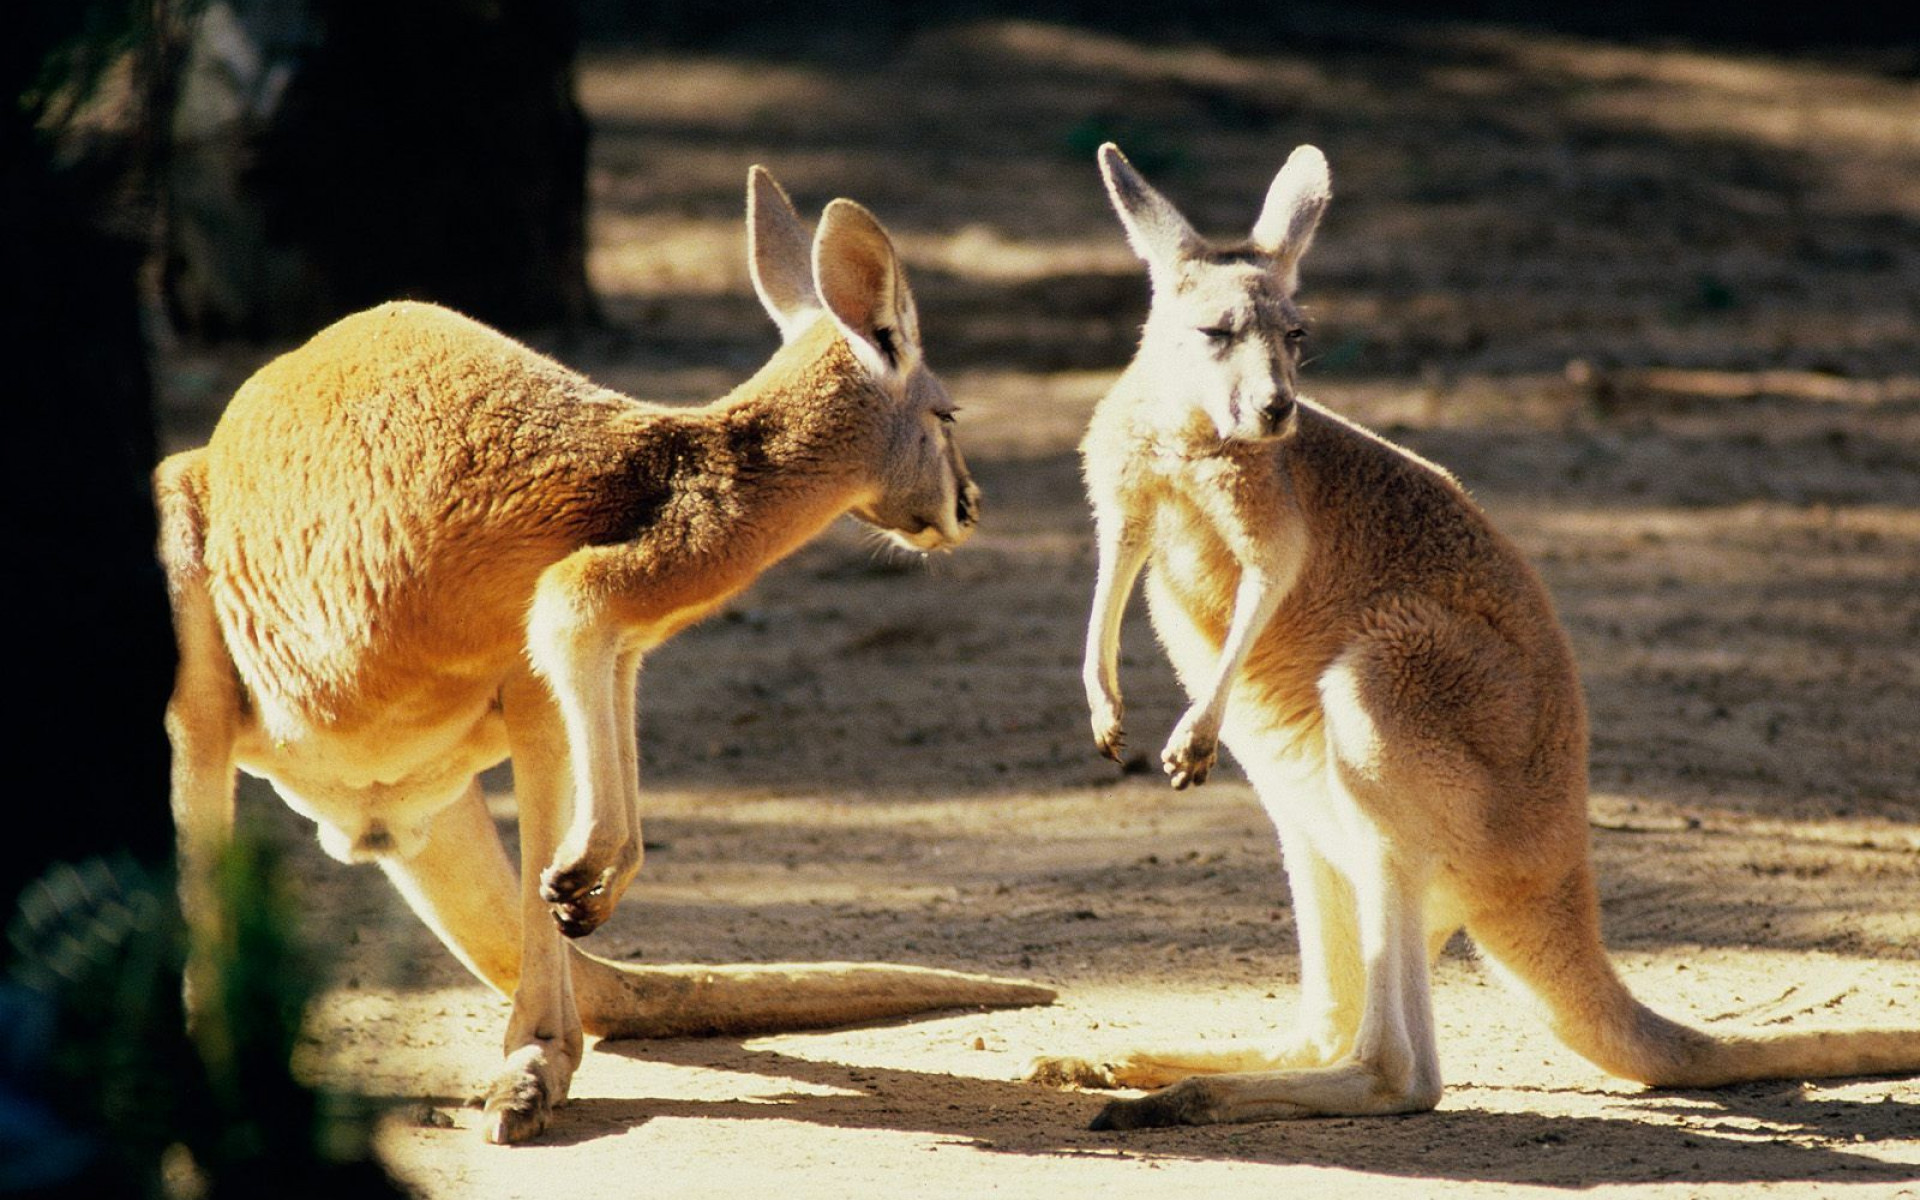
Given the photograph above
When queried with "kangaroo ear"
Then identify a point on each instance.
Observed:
(1295, 203)
(1155, 228)
(779, 255)
(858, 276)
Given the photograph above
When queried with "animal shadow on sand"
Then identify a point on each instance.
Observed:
(1732, 1135)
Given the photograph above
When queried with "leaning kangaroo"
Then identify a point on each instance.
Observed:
(414, 548)
(1391, 674)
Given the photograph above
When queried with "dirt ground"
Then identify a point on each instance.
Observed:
(1657, 308)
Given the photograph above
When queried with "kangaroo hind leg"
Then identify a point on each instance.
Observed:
(1332, 987)
(202, 719)
(1364, 828)
(1393, 1065)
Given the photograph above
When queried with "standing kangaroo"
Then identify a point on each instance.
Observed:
(1391, 675)
(414, 548)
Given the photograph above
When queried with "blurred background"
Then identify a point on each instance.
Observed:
(1646, 276)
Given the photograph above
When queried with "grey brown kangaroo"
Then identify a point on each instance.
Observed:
(1392, 677)
(414, 548)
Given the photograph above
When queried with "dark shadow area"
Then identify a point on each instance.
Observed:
(1856, 26)
(1504, 204)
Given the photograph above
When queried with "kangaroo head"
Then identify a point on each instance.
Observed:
(1223, 336)
(917, 489)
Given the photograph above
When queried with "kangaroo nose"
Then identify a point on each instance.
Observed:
(967, 507)
(1277, 409)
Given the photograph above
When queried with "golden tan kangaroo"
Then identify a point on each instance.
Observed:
(414, 548)
(1391, 675)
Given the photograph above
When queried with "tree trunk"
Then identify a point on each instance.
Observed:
(331, 154)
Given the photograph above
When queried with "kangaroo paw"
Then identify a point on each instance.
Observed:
(1065, 1072)
(519, 1104)
(580, 898)
(1182, 1104)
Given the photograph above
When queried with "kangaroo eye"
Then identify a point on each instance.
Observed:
(1296, 335)
(946, 418)
(1219, 335)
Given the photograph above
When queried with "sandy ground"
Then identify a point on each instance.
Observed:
(872, 759)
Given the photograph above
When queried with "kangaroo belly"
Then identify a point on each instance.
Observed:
(1190, 590)
(373, 788)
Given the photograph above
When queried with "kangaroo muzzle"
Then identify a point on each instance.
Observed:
(1277, 413)
(966, 508)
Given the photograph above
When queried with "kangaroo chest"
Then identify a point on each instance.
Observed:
(1213, 522)
(1213, 519)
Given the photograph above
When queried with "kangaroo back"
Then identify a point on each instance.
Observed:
(404, 455)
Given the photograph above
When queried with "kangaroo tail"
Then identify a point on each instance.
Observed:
(461, 884)
(619, 1000)
(1549, 945)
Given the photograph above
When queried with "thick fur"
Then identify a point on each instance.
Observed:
(414, 548)
(1391, 674)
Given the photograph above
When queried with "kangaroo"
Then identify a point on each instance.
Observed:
(1391, 675)
(413, 548)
